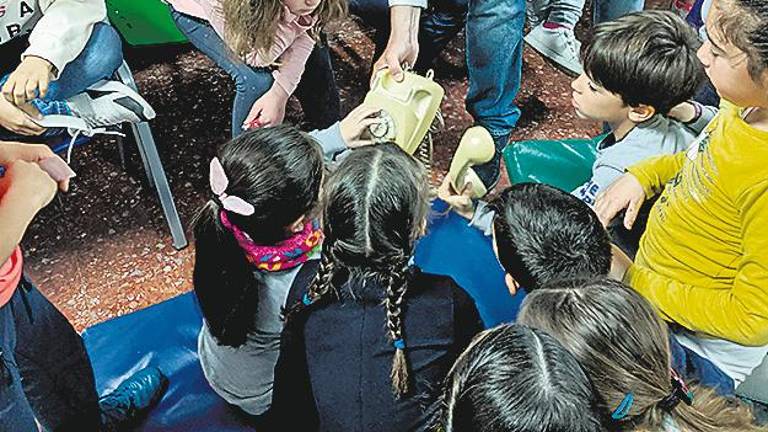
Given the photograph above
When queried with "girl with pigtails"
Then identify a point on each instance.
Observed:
(369, 337)
(252, 238)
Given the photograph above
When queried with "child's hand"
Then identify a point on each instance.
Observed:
(356, 123)
(684, 112)
(26, 183)
(461, 203)
(11, 152)
(16, 120)
(33, 75)
(624, 193)
(620, 263)
(268, 110)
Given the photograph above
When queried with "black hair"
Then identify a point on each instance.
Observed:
(375, 206)
(279, 171)
(544, 234)
(744, 23)
(647, 58)
(514, 378)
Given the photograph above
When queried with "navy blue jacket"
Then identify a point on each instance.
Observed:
(333, 373)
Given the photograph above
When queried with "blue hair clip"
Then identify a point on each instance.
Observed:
(623, 409)
(306, 300)
(399, 344)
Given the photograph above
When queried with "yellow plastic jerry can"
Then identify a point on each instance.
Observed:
(408, 108)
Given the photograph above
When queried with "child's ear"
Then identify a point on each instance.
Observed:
(641, 113)
(511, 283)
(298, 225)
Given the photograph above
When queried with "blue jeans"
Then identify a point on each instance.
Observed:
(494, 50)
(99, 60)
(317, 91)
(694, 367)
(45, 372)
(609, 10)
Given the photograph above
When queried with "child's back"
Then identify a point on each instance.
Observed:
(349, 357)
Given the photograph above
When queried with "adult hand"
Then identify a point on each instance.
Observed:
(462, 202)
(11, 152)
(26, 183)
(356, 123)
(403, 45)
(624, 193)
(16, 120)
(268, 110)
(32, 76)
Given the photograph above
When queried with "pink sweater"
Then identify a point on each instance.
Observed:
(289, 52)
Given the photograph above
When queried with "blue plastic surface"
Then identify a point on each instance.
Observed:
(165, 335)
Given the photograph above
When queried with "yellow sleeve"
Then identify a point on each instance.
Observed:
(655, 172)
(739, 314)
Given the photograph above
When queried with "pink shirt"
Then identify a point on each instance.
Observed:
(289, 52)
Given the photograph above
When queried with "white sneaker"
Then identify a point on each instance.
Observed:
(559, 45)
(536, 11)
(109, 103)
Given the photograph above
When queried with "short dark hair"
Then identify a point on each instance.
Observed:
(515, 378)
(544, 234)
(647, 58)
(744, 23)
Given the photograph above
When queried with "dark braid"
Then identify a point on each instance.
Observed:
(396, 290)
(320, 285)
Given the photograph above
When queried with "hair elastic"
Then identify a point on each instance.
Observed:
(680, 392)
(399, 344)
(306, 300)
(219, 182)
(623, 409)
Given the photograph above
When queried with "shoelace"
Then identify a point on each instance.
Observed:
(89, 133)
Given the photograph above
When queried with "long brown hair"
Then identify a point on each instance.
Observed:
(251, 24)
(624, 347)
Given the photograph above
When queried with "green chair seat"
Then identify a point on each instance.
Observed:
(144, 22)
(564, 164)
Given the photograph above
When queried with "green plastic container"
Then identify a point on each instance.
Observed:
(564, 164)
(144, 22)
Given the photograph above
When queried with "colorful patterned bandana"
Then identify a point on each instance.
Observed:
(283, 256)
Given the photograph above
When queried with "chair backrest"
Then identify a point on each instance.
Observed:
(564, 164)
(144, 22)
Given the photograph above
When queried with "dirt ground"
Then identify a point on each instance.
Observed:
(104, 250)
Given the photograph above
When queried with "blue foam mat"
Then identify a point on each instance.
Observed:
(165, 335)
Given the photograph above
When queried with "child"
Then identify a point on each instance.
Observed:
(702, 260)
(264, 46)
(65, 48)
(623, 345)
(371, 338)
(45, 373)
(637, 69)
(252, 238)
(514, 378)
(540, 234)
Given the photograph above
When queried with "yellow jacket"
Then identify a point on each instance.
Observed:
(703, 260)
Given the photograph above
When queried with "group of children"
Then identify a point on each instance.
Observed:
(317, 318)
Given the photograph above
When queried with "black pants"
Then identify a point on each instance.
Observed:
(45, 371)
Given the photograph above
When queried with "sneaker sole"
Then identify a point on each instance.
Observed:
(147, 112)
(550, 55)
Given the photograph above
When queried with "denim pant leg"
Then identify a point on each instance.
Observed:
(317, 91)
(56, 370)
(494, 61)
(15, 412)
(566, 12)
(608, 10)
